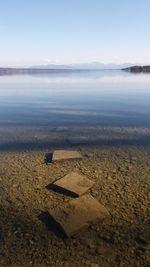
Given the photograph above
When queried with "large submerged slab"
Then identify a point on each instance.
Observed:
(74, 183)
(59, 155)
(78, 214)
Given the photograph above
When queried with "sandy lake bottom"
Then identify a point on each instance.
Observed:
(118, 161)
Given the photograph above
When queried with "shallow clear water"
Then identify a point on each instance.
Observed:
(86, 97)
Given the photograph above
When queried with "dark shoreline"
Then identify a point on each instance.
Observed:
(138, 69)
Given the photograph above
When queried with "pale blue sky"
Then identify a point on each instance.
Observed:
(69, 31)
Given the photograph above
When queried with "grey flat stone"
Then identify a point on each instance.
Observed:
(81, 140)
(61, 129)
(75, 183)
(78, 214)
(59, 155)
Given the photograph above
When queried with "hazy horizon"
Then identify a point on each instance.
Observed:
(89, 65)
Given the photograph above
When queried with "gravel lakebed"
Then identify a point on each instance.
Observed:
(122, 184)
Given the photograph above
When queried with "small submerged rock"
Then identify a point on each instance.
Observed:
(74, 183)
(59, 155)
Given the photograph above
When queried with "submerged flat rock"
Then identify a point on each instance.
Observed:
(78, 214)
(59, 155)
(75, 183)
(80, 140)
(60, 129)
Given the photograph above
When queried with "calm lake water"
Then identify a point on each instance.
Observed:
(113, 98)
(32, 106)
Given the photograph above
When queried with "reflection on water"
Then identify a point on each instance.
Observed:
(107, 97)
(75, 99)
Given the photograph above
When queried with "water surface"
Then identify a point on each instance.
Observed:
(75, 99)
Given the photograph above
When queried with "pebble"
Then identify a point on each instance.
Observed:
(134, 158)
(94, 265)
(90, 244)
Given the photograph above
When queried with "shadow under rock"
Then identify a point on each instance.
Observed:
(48, 158)
(51, 224)
(60, 190)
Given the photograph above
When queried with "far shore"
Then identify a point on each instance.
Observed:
(138, 69)
(21, 71)
(13, 71)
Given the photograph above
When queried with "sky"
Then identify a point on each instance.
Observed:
(34, 32)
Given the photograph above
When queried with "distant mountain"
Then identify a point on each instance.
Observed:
(84, 66)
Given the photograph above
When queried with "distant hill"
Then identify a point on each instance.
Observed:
(84, 66)
(137, 69)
